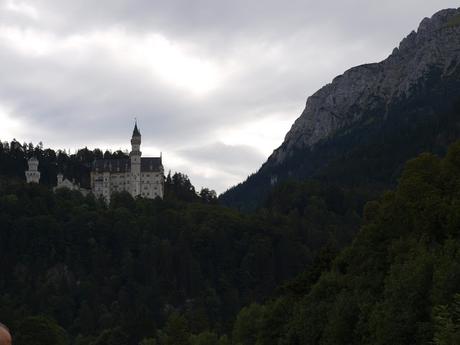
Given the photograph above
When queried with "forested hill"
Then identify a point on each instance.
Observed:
(164, 272)
(398, 283)
(78, 271)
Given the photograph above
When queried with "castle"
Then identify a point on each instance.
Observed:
(136, 175)
(72, 185)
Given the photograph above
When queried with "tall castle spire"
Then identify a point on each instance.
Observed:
(136, 138)
(135, 157)
(136, 132)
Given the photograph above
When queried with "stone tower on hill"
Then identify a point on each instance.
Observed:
(33, 175)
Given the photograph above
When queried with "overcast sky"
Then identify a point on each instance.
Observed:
(214, 84)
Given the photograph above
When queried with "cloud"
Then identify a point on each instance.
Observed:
(22, 9)
(221, 163)
(215, 84)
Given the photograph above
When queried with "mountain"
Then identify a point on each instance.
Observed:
(360, 129)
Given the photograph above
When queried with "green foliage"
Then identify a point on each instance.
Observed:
(114, 336)
(447, 323)
(179, 187)
(204, 338)
(209, 338)
(39, 330)
(248, 325)
(148, 341)
(398, 283)
(176, 331)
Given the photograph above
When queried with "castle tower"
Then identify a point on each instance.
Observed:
(135, 156)
(60, 179)
(33, 175)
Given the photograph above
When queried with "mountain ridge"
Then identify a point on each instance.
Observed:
(365, 78)
(367, 106)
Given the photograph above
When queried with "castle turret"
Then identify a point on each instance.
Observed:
(33, 175)
(60, 179)
(135, 157)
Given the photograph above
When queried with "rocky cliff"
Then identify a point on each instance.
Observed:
(362, 89)
(365, 123)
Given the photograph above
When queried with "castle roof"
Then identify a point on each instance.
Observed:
(151, 164)
(123, 165)
(136, 132)
(112, 165)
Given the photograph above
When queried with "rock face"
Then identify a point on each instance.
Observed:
(365, 88)
(361, 128)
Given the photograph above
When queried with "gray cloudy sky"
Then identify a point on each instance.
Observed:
(214, 84)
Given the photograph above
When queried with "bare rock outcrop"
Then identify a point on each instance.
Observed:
(360, 90)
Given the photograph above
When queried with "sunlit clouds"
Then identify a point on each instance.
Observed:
(161, 58)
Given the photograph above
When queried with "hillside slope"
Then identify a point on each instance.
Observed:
(398, 283)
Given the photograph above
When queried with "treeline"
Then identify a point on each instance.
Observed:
(77, 166)
(157, 271)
